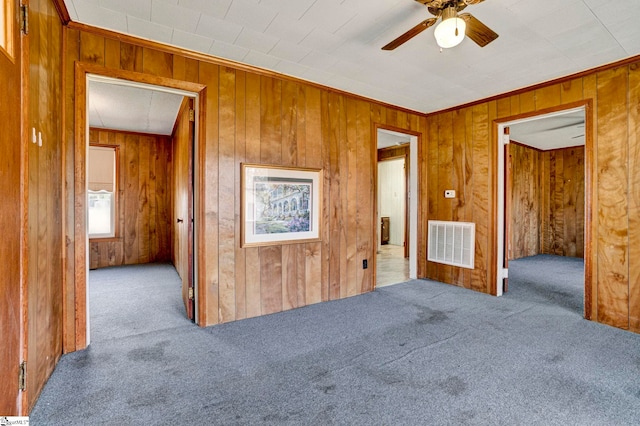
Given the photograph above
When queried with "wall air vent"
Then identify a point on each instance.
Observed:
(452, 243)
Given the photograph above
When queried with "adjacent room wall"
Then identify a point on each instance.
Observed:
(547, 201)
(262, 118)
(461, 155)
(45, 199)
(392, 193)
(562, 176)
(526, 216)
(144, 200)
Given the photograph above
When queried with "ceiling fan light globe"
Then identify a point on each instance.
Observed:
(445, 32)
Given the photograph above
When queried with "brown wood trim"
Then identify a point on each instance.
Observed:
(492, 229)
(138, 77)
(416, 191)
(80, 237)
(590, 194)
(547, 83)
(63, 12)
(68, 333)
(21, 52)
(392, 152)
(225, 62)
(526, 146)
(543, 150)
(127, 132)
(199, 211)
(508, 183)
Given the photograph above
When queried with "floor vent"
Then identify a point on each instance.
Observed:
(452, 243)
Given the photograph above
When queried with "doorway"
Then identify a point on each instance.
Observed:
(396, 228)
(542, 195)
(147, 196)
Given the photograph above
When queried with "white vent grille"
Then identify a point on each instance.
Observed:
(452, 243)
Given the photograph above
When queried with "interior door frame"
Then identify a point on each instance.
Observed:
(406, 219)
(83, 74)
(413, 192)
(500, 185)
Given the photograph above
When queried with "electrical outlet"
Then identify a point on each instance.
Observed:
(365, 264)
(450, 193)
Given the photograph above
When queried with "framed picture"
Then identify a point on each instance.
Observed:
(280, 205)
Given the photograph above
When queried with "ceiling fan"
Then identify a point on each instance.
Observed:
(452, 27)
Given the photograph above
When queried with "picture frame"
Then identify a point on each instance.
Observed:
(280, 205)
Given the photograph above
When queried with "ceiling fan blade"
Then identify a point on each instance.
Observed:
(410, 34)
(470, 2)
(477, 31)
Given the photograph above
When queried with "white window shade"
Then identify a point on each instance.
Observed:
(101, 172)
(102, 187)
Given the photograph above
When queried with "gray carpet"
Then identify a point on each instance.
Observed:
(417, 353)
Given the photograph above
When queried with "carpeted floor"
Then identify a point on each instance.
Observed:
(418, 353)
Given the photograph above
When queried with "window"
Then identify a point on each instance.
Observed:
(102, 166)
(6, 30)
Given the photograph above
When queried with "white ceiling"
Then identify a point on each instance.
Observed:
(137, 109)
(553, 132)
(387, 138)
(337, 42)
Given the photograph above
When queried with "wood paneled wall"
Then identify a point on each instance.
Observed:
(45, 206)
(526, 198)
(547, 201)
(262, 118)
(12, 215)
(562, 201)
(458, 156)
(466, 163)
(144, 200)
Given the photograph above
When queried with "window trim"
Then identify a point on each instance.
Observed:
(7, 15)
(116, 197)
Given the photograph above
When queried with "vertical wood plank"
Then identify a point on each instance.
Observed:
(226, 198)
(154, 245)
(289, 154)
(156, 62)
(445, 181)
(634, 197)
(571, 91)
(613, 237)
(351, 198)
(334, 201)
(271, 279)
(480, 196)
(252, 254)
(301, 150)
(240, 153)
(92, 48)
(365, 208)
(209, 302)
(130, 57)
(432, 181)
(112, 53)
(547, 97)
(143, 199)
(313, 147)
(131, 199)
